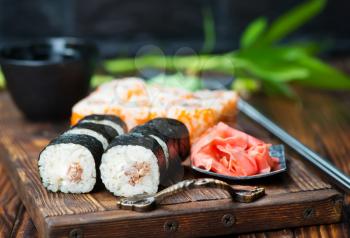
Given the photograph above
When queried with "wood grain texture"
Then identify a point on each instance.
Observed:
(289, 196)
(296, 118)
(9, 204)
(322, 122)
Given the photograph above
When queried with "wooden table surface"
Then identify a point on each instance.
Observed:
(321, 120)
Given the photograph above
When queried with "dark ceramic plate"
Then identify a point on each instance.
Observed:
(276, 151)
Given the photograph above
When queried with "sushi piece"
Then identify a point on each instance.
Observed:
(102, 133)
(136, 103)
(133, 164)
(173, 130)
(107, 120)
(68, 163)
(173, 136)
(145, 130)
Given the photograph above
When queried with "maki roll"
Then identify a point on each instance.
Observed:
(133, 164)
(68, 163)
(107, 120)
(162, 140)
(149, 156)
(175, 134)
(174, 139)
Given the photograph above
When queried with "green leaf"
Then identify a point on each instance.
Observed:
(284, 64)
(120, 65)
(322, 75)
(278, 71)
(126, 65)
(2, 80)
(269, 53)
(245, 85)
(253, 32)
(278, 88)
(292, 20)
(98, 79)
(193, 63)
(209, 30)
(310, 48)
(273, 63)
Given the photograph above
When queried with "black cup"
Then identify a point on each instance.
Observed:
(47, 77)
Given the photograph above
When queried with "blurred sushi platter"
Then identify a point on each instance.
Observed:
(127, 140)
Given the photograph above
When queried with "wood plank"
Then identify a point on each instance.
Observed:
(24, 226)
(281, 115)
(289, 196)
(322, 231)
(320, 121)
(27, 230)
(203, 218)
(9, 204)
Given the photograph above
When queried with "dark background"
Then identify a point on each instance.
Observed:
(123, 26)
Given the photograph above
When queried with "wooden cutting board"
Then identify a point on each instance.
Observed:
(296, 198)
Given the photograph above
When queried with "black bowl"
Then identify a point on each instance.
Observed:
(47, 77)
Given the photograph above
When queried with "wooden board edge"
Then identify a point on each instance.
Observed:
(324, 208)
(35, 214)
(326, 200)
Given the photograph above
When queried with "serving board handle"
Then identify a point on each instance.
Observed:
(149, 202)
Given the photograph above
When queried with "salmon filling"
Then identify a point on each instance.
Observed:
(137, 172)
(75, 172)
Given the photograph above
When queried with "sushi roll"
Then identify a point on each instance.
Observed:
(173, 137)
(107, 120)
(133, 164)
(163, 141)
(103, 133)
(149, 156)
(68, 163)
(176, 132)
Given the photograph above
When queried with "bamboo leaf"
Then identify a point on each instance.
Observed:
(309, 48)
(253, 32)
(193, 63)
(322, 75)
(2, 80)
(277, 64)
(278, 88)
(245, 85)
(120, 65)
(98, 79)
(292, 20)
(278, 71)
(209, 30)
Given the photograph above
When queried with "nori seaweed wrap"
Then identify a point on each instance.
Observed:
(111, 120)
(68, 164)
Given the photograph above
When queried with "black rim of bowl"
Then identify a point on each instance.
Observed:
(73, 44)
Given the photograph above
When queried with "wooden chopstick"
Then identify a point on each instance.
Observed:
(336, 175)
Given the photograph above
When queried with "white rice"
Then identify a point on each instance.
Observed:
(164, 148)
(112, 124)
(69, 168)
(128, 170)
(84, 131)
